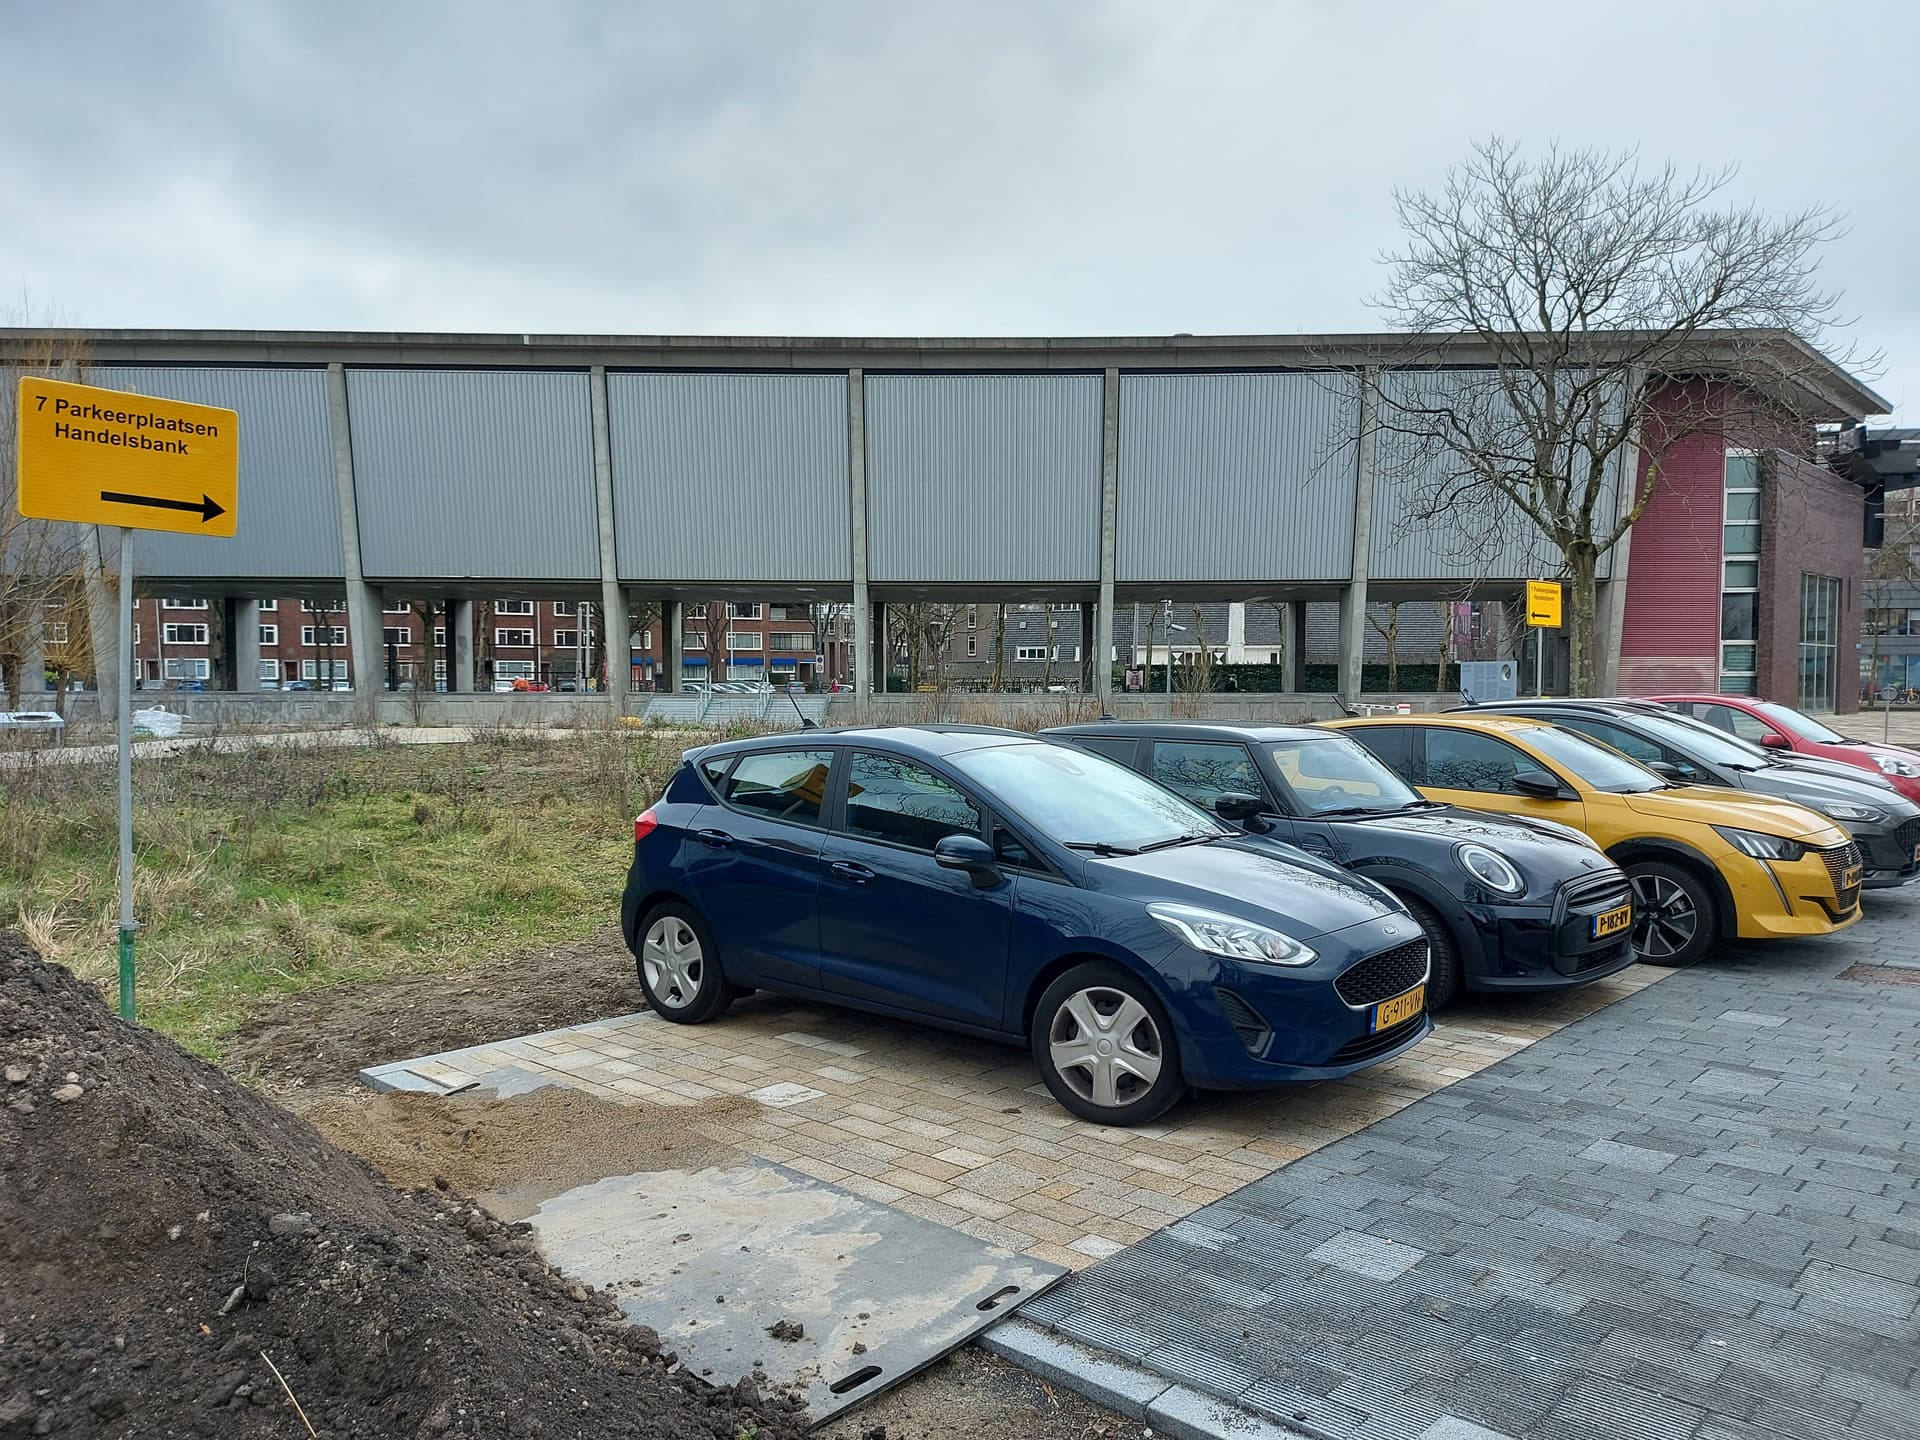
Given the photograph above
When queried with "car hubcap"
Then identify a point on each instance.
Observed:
(1664, 920)
(672, 961)
(1105, 1046)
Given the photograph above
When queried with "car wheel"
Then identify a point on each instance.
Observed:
(679, 967)
(1105, 1046)
(1673, 916)
(1443, 955)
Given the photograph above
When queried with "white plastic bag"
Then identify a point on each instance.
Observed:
(159, 723)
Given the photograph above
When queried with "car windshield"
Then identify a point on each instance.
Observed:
(1599, 765)
(1084, 800)
(1794, 723)
(1330, 773)
(1702, 742)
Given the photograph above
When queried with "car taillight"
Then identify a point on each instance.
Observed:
(643, 824)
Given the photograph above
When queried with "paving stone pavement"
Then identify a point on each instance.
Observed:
(1693, 1215)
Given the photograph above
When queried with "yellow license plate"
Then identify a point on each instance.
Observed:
(1389, 1013)
(1916, 854)
(1612, 922)
(1851, 878)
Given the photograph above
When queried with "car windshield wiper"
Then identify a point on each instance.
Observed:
(1191, 837)
(1100, 847)
(1340, 810)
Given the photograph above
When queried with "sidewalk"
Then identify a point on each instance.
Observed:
(1694, 1215)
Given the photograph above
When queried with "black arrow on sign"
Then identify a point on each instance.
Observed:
(206, 506)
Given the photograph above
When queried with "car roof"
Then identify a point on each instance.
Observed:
(1187, 730)
(1456, 720)
(1604, 704)
(934, 740)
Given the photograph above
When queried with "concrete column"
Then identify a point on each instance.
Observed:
(1101, 638)
(1610, 609)
(1236, 632)
(863, 641)
(33, 657)
(1293, 645)
(243, 643)
(459, 646)
(103, 619)
(672, 646)
(367, 655)
(613, 600)
(1353, 599)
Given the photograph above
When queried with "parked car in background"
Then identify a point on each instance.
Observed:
(1778, 727)
(1506, 903)
(1884, 824)
(1707, 865)
(993, 883)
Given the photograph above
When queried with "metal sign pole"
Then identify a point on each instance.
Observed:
(127, 923)
(1539, 662)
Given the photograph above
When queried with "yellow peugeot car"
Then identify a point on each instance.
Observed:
(1706, 864)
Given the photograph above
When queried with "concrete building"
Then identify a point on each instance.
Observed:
(646, 474)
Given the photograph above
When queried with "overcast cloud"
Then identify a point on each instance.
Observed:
(1075, 167)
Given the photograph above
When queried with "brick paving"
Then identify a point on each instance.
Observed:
(961, 1132)
(1695, 1215)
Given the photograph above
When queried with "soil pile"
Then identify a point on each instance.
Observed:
(165, 1233)
(548, 1140)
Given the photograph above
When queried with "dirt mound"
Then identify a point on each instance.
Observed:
(164, 1233)
(547, 1141)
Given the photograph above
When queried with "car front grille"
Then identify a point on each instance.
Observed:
(1378, 1043)
(1381, 977)
(1839, 859)
(1598, 892)
(1906, 837)
(1247, 1024)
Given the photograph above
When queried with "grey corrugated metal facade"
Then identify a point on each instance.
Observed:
(474, 473)
(1234, 477)
(289, 522)
(730, 477)
(1494, 543)
(983, 478)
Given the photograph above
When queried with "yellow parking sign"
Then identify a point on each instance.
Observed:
(1543, 604)
(105, 457)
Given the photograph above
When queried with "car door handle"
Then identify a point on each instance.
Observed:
(718, 839)
(847, 870)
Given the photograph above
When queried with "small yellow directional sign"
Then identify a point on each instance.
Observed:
(104, 457)
(1543, 604)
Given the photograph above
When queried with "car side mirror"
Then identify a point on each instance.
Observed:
(1538, 784)
(1774, 740)
(1237, 806)
(1665, 769)
(969, 853)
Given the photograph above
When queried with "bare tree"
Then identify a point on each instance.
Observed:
(1617, 309)
(997, 679)
(40, 560)
(714, 619)
(1389, 632)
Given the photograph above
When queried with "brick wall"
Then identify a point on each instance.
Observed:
(1811, 525)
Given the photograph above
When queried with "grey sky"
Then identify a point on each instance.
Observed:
(1052, 166)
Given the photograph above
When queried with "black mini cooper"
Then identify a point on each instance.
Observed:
(1507, 903)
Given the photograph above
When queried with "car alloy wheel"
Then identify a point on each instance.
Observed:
(1666, 919)
(673, 962)
(1106, 1047)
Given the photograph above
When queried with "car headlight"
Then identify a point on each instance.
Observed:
(1847, 810)
(1891, 765)
(1228, 935)
(1761, 847)
(1494, 871)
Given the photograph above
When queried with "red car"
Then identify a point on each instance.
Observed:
(1779, 728)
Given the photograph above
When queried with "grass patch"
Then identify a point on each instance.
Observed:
(283, 869)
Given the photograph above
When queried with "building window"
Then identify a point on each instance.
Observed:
(269, 634)
(513, 670)
(323, 607)
(790, 612)
(563, 607)
(693, 642)
(743, 612)
(183, 604)
(973, 617)
(513, 639)
(397, 635)
(439, 635)
(187, 669)
(136, 632)
(323, 634)
(697, 610)
(646, 639)
(513, 607)
(1819, 641)
(440, 671)
(1029, 652)
(1740, 575)
(336, 670)
(566, 639)
(743, 640)
(268, 604)
(183, 634)
(56, 632)
(790, 641)
(269, 669)
(973, 646)
(402, 608)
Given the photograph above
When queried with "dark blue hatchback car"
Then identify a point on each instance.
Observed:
(989, 882)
